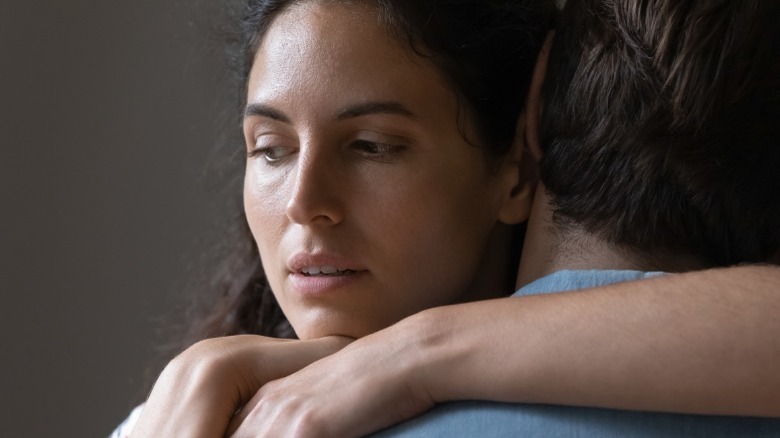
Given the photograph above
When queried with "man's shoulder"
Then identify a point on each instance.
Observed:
(568, 280)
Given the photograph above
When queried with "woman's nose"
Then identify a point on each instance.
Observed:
(316, 196)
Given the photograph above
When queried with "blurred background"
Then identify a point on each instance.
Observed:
(109, 116)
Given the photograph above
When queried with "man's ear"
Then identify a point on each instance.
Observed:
(521, 168)
(519, 180)
(533, 106)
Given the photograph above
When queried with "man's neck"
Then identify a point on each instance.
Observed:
(549, 247)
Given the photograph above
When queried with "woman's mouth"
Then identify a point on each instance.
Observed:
(323, 274)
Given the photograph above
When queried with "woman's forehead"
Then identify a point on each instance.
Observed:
(337, 55)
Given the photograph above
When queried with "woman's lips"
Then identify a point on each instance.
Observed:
(321, 284)
(321, 273)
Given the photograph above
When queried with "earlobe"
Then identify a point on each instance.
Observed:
(517, 207)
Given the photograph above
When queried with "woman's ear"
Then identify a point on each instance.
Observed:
(520, 178)
(533, 106)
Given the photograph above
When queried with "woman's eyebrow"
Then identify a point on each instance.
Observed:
(386, 107)
(363, 109)
(258, 109)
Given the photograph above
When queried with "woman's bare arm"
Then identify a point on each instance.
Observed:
(704, 342)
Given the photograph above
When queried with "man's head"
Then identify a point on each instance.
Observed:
(661, 127)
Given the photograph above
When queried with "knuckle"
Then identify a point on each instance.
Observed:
(202, 358)
(294, 410)
(308, 422)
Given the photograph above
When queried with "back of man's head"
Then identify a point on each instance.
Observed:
(661, 127)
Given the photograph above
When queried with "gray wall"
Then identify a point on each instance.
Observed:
(107, 117)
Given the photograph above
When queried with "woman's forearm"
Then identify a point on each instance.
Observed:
(704, 342)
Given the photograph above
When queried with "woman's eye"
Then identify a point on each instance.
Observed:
(271, 154)
(376, 150)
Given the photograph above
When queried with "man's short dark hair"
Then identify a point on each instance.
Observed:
(661, 127)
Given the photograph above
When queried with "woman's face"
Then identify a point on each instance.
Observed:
(366, 202)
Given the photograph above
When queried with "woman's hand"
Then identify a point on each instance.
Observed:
(371, 384)
(200, 390)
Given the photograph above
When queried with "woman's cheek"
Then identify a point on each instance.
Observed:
(264, 206)
(264, 195)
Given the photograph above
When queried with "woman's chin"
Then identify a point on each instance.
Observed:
(352, 328)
